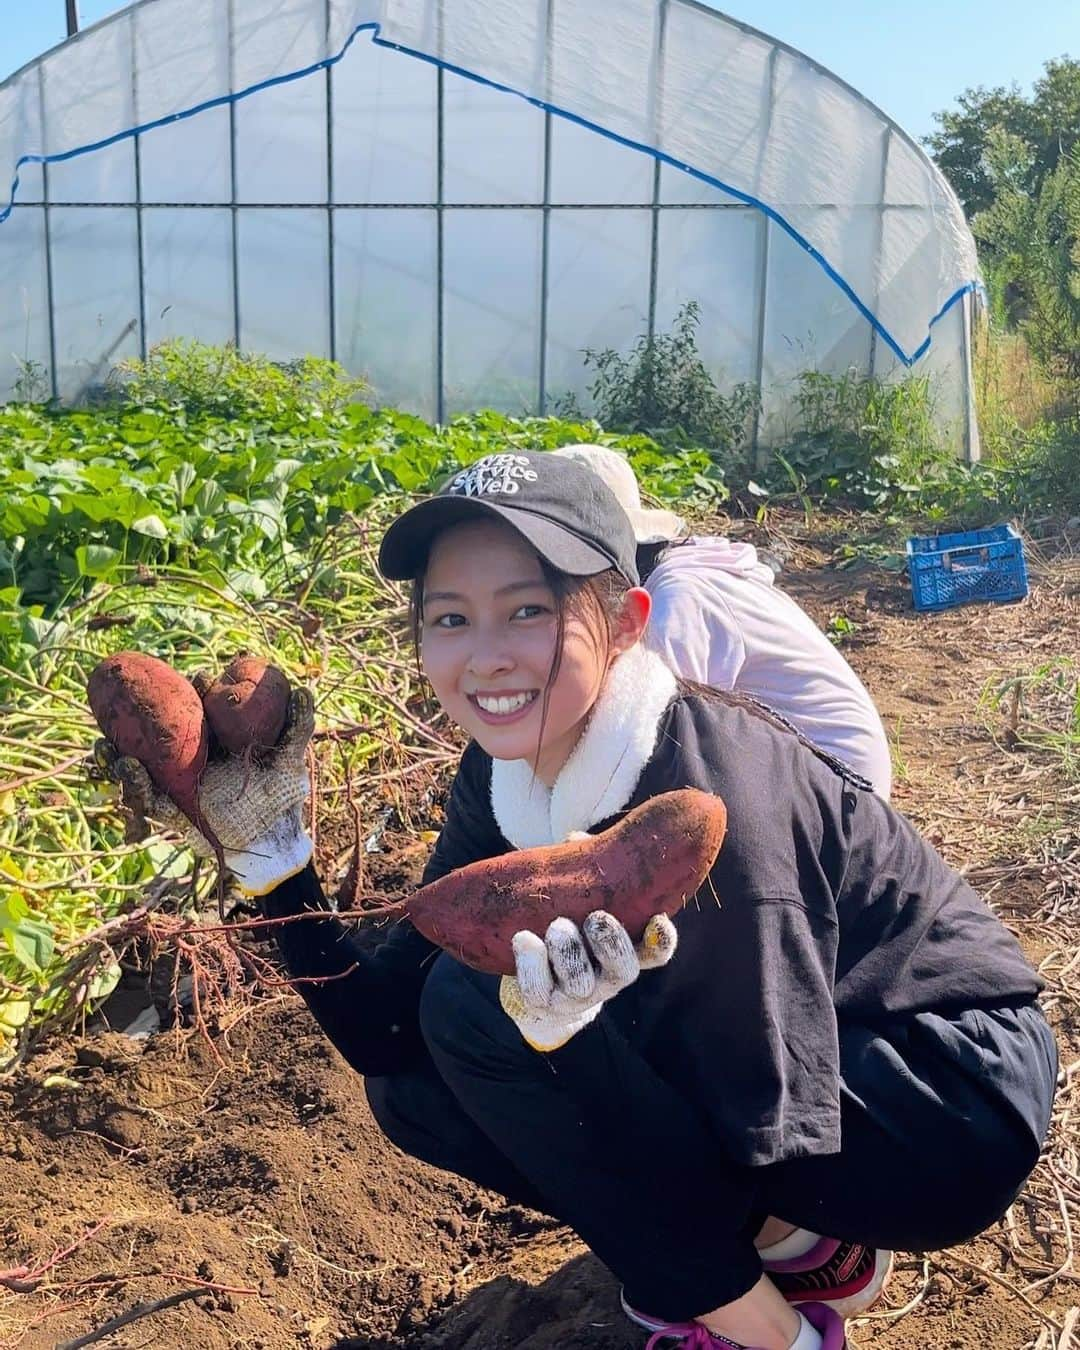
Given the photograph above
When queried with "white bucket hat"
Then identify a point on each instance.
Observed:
(651, 525)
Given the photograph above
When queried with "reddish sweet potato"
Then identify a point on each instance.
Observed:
(247, 704)
(657, 856)
(148, 710)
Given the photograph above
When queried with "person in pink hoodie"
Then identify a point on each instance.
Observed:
(718, 619)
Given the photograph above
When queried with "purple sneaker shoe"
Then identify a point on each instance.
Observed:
(693, 1336)
(847, 1276)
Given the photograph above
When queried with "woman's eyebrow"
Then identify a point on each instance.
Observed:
(538, 584)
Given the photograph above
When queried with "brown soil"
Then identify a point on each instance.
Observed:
(263, 1178)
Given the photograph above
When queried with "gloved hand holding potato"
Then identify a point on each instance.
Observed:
(228, 776)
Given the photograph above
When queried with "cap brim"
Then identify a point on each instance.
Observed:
(404, 551)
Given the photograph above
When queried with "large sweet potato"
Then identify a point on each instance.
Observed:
(247, 704)
(651, 862)
(149, 711)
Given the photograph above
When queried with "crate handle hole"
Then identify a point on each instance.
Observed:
(964, 557)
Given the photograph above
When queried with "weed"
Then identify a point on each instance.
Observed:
(198, 378)
(900, 770)
(840, 629)
(862, 442)
(1041, 711)
(661, 387)
(32, 383)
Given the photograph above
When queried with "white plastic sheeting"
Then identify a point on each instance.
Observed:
(356, 178)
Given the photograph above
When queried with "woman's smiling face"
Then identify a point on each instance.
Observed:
(489, 632)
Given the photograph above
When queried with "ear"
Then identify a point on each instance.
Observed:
(633, 617)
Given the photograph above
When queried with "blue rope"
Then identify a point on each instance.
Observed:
(643, 148)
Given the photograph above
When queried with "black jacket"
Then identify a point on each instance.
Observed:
(824, 905)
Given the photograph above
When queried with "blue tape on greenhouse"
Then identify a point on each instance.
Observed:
(967, 566)
(908, 358)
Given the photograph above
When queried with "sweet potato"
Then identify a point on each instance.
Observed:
(657, 856)
(148, 710)
(247, 704)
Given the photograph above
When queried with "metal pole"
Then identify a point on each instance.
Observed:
(762, 268)
(655, 115)
(50, 295)
(440, 252)
(759, 335)
(139, 240)
(72, 17)
(879, 246)
(545, 218)
(968, 315)
(331, 260)
(235, 240)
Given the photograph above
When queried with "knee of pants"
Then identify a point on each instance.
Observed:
(460, 1010)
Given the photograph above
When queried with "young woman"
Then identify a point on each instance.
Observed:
(718, 619)
(833, 1050)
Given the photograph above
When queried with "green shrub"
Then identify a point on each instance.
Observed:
(861, 442)
(183, 373)
(662, 388)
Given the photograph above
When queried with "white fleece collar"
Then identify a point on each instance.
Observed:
(603, 770)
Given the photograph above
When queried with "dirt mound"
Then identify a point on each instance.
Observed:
(267, 1182)
(266, 1175)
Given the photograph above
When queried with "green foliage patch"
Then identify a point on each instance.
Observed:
(212, 502)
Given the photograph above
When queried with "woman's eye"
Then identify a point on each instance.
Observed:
(530, 611)
(448, 621)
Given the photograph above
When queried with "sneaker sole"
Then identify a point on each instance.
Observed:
(844, 1307)
(859, 1302)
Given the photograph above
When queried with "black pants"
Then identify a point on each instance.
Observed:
(942, 1121)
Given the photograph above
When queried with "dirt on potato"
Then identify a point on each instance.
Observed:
(259, 1183)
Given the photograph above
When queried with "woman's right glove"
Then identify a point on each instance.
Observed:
(564, 979)
(253, 807)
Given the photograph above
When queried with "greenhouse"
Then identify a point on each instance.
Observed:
(454, 199)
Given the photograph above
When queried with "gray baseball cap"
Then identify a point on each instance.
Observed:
(565, 511)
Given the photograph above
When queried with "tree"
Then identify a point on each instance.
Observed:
(1030, 243)
(1047, 123)
(961, 145)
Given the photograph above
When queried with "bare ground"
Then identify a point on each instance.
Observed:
(256, 1186)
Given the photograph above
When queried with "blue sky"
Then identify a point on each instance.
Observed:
(912, 57)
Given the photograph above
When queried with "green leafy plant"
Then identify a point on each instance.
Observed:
(32, 384)
(662, 387)
(1032, 243)
(165, 476)
(900, 769)
(863, 442)
(840, 629)
(190, 375)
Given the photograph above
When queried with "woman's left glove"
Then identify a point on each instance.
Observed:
(564, 979)
(253, 807)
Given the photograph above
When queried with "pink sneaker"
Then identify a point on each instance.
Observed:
(693, 1336)
(847, 1276)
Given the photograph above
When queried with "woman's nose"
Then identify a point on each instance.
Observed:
(489, 656)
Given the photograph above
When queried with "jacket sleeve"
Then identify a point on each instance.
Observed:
(363, 985)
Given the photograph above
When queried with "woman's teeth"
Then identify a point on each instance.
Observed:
(504, 704)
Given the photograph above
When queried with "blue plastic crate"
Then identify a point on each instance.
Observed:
(956, 569)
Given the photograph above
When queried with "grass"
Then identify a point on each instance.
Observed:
(1039, 711)
(900, 771)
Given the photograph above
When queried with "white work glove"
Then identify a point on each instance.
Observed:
(564, 979)
(252, 805)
